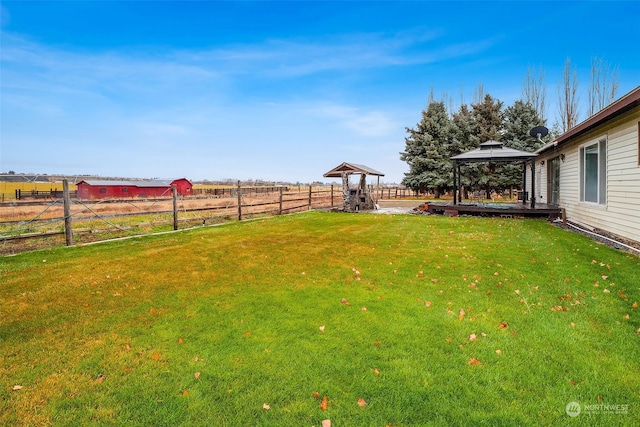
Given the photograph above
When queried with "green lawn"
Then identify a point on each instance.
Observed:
(428, 320)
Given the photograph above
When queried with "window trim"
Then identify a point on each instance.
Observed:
(601, 186)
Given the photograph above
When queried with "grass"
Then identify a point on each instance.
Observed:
(204, 327)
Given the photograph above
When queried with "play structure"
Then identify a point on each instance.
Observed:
(358, 197)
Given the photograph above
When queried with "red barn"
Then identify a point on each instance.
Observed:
(121, 189)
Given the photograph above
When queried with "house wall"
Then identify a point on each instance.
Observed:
(621, 213)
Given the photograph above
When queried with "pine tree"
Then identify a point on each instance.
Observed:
(487, 125)
(427, 151)
(487, 119)
(519, 119)
(464, 139)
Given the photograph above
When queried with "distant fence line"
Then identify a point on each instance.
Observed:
(379, 192)
(82, 221)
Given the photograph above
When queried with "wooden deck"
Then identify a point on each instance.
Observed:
(505, 210)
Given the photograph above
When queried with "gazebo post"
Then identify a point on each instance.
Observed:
(459, 183)
(455, 185)
(524, 183)
(533, 184)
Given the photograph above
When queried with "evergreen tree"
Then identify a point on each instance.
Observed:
(464, 139)
(487, 119)
(519, 119)
(487, 125)
(427, 151)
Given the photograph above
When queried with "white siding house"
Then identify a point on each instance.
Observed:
(593, 170)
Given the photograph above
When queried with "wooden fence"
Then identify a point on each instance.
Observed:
(54, 216)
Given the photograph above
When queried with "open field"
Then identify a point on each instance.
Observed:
(398, 320)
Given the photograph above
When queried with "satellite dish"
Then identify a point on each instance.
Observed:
(539, 132)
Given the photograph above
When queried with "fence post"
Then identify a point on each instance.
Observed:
(280, 203)
(239, 202)
(174, 192)
(68, 231)
(309, 197)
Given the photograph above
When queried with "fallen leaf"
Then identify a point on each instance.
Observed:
(316, 394)
(156, 356)
(326, 423)
(572, 382)
(376, 372)
(265, 406)
(474, 361)
(498, 351)
(362, 403)
(626, 317)
(462, 313)
(364, 309)
(472, 337)
(517, 291)
(247, 334)
(344, 301)
(324, 403)
(427, 303)
(503, 325)
(483, 334)
(321, 328)
(17, 387)
(99, 379)
(180, 341)
(377, 343)
(600, 398)
(185, 393)
(127, 347)
(634, 305)
(197, 375)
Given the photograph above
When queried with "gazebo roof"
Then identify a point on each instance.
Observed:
(495, 152)
(351, 168)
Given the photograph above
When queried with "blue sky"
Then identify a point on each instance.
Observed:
(272, 90)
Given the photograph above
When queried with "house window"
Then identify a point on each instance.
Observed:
(593, 172)
(103, 190)
(125, 190)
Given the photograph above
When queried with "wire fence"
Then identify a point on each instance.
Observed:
(31, 225)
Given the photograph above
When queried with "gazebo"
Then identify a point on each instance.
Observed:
(493, 152)
(358, 198)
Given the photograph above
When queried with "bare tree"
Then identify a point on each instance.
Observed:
(478, 94)
(568, 97)
(603, 86)
(534, 91)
